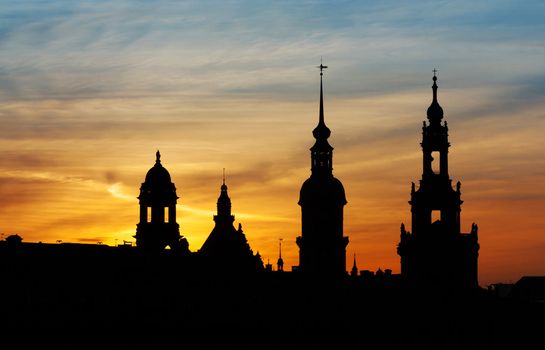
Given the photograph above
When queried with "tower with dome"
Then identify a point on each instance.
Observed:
(322, 244)
(158, 228)
(436, 252)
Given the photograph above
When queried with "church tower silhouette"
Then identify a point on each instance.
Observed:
(226, 245)
(158, 228)
(436, 252)
(322, 245)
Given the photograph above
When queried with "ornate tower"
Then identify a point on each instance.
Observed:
(436, 252)
(158, 228)
(322, 245)
(227, 245)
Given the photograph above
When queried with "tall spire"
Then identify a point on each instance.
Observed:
(321, 131)
(280, 262)
(322, 67)
(435, 112)
(321, 152)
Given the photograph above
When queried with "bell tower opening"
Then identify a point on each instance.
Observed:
(435, 216)
(436, 162)
(157, 227)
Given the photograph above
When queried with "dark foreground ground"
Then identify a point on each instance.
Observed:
(126, 301)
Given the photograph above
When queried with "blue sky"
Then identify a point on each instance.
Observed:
(86, 49)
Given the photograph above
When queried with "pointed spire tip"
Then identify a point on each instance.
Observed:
(223, 185)
(321, 131)
(435, 112)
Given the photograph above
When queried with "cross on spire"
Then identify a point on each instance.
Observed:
(434, 71)
(321, 67)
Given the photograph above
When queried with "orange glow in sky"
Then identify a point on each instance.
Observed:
(84, 105)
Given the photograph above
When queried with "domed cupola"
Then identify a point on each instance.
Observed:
(158, 174)
(158, 227)
(158, 186)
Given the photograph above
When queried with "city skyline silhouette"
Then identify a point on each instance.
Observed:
(85, 109)
(270, 175)
(170, 296)
(321, 196)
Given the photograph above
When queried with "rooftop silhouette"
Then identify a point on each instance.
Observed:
(436, 252)
(160, 293)
(322, 245)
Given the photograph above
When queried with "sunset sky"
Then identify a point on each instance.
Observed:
(89, 90)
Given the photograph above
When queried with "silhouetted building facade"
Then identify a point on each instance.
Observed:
(226, 245)
(436, 252)
(158, 228)
(322, 245)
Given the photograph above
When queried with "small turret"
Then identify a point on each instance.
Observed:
(354, 271)
(280, 262)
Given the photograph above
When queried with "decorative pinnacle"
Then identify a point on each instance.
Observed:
(321, 131)
(434, 87)
(321, 67)
(434, 84)
(280, 248)
(435, 112)
(223, 185)
(157, 157)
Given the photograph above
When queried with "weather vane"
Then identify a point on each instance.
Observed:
(321, 67)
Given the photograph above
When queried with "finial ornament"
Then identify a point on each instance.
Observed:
(321, 131)
(223, 185)
(435, 112)
(157, 157)
(321, 67)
